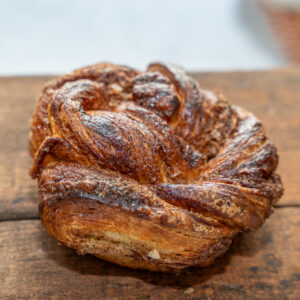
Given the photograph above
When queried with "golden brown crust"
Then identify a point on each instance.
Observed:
(147, 170)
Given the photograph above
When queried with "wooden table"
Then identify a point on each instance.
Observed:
(261, 265)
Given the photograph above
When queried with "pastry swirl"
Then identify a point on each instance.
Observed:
(147, 170)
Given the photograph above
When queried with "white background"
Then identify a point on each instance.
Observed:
(55, 36)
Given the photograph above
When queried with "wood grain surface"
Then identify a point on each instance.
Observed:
(261, 265)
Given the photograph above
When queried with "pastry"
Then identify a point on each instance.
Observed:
(146, 169)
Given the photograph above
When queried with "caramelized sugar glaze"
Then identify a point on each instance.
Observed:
(147, 170)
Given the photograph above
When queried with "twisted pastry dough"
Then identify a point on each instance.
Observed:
(147, 170)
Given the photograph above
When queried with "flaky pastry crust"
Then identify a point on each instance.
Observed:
(147, 170)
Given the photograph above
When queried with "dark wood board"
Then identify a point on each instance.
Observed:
(260, 265)
(272, 95)
(18, 192)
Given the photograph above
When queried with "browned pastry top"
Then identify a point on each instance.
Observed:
(146, 169)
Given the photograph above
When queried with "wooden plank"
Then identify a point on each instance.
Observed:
(272, 95)
(289, 166)
(18, 193)
(261, 265)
